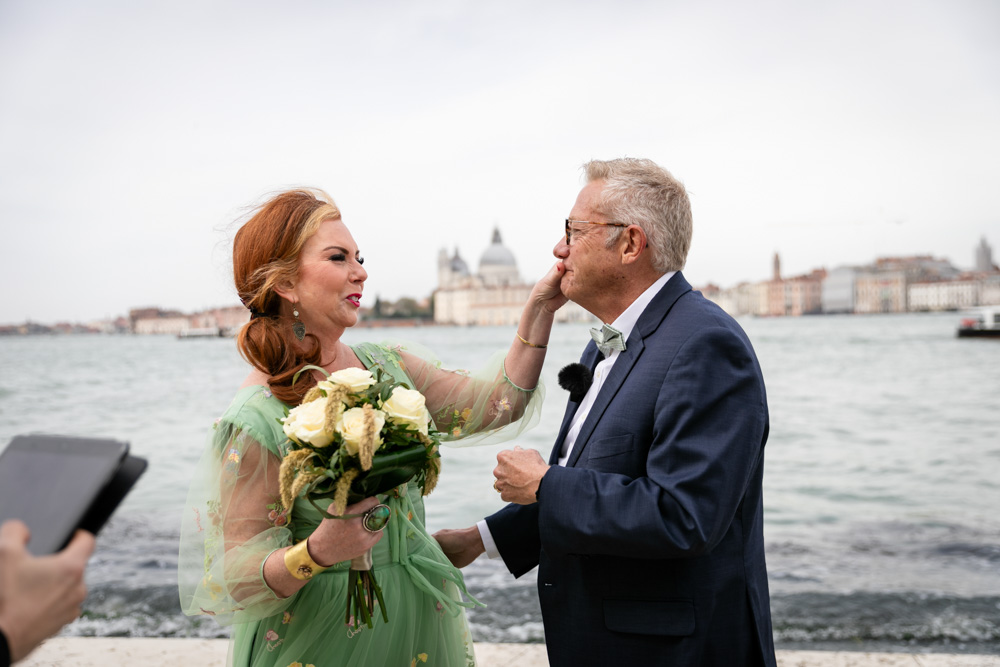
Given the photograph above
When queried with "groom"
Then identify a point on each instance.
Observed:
(646, 522)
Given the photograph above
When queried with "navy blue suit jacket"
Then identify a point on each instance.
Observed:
(649, 542)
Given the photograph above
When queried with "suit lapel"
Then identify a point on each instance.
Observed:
(648, 322)
(590, 360)
(623, 366)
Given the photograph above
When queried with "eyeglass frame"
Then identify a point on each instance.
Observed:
(590, 222)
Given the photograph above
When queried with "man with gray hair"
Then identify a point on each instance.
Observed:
(646, 522)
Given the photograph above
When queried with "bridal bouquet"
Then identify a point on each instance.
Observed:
(355, 435)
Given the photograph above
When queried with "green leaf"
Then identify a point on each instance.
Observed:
(309, 367)
(408, 456)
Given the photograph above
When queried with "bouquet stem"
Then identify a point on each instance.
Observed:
(362, 592)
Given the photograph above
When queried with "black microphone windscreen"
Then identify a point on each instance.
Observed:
(576, 379)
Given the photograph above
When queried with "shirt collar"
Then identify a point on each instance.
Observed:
(626, 321)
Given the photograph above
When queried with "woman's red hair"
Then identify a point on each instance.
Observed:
(265, 257)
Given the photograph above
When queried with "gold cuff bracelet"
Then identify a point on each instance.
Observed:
(300, 564)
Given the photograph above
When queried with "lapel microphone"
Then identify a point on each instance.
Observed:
(576, 379)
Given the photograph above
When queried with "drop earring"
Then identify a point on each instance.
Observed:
(298, 328)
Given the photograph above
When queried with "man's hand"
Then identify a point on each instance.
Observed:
(39, 595)
(460, 546)
(519, 472)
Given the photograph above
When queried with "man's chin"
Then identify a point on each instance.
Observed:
(568, 288)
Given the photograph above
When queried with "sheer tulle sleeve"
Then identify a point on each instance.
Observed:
(468, 407)
(233, 520)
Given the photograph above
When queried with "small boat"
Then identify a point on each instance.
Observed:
(983, 323)
(204, 332)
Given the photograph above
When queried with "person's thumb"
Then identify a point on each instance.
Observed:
(16, 531)
(81, 546)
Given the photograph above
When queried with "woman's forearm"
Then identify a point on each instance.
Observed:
(277, 577)
(526, 355)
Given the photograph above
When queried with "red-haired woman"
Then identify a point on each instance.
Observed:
(299, 271)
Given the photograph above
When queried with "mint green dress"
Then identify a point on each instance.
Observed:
(234, 519)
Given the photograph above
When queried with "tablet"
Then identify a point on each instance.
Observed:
(113, 493)
(56, 484)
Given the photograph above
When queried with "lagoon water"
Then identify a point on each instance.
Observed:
(882, 473)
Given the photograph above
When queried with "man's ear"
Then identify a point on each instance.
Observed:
(633, 241)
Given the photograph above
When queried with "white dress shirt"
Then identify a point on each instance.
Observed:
(624, 323)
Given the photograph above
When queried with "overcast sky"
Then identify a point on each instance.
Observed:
(134, 134)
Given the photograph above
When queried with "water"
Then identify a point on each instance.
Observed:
(881, 477)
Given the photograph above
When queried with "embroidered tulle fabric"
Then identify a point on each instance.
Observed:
(234, 519)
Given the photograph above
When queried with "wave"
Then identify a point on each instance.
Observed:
(907, 620)
(884, 621)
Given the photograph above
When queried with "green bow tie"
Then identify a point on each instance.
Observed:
(608, 339)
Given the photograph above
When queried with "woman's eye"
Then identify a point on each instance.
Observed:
(361, 260)
(339, 257)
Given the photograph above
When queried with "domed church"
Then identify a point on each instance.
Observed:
(497, 266)
(493, 296)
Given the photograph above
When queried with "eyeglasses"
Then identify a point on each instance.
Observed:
(588, 222)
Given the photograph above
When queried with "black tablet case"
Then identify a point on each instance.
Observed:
(56, 484)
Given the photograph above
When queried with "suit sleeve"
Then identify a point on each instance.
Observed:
(705, 439)
(4, 651)
(515, 532)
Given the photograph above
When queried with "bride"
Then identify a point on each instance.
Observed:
(242, 554)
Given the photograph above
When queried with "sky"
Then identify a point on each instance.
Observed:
(136, 136)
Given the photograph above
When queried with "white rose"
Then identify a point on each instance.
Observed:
(352, 428)
(307, 423)
(355, 379)
(406, 406)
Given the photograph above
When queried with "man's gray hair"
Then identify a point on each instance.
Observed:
(640, 192)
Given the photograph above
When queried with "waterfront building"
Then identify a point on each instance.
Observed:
(777, 299)
(984, 256)
(804, 294)
(838, 290)
(884, 286)
(154, 321)
(493, 296)
(799, 295)
(757, 298)
(944, 295)
(719, 297)
(918, 267)
(880, 291)
(733, 300)
(888, 285)
(989, 290)
(228, 319)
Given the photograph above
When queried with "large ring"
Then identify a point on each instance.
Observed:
(495, 487)
(376, 518)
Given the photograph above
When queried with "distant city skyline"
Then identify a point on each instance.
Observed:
(369, 300)
(134, 136)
